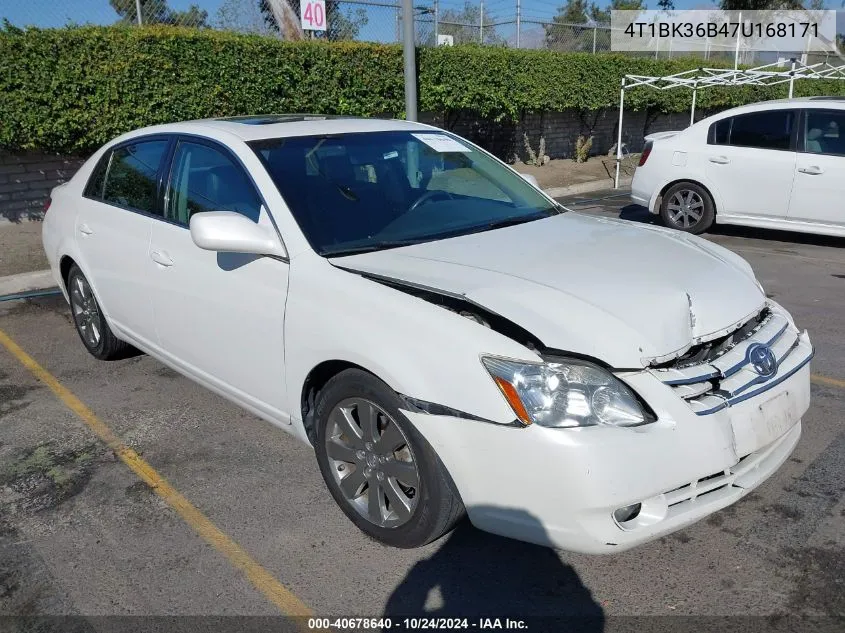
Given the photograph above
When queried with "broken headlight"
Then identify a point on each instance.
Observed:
(565, 393)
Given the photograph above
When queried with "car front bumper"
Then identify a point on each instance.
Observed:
(560, 487)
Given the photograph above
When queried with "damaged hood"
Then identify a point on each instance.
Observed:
(622, 293)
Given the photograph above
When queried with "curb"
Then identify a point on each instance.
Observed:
(586, 187)
(25, 282)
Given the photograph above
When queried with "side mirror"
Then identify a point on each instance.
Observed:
(230, 232)
(531, 179)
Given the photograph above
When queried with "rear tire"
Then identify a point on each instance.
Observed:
(365, 444)
(90, 322)
(688, 207)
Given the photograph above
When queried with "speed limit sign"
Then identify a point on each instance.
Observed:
(313, 14)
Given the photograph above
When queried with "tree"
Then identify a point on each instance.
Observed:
(572, 27)
(666, 5)
(759, 5)
(568, 30)
(463, 25)
(340, 25)
(158, 12)
(241, 15)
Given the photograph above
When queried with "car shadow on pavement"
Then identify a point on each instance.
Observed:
(477, 575)
(637, 213)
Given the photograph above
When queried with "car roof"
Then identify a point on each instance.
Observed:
(266, 126)
(830, 103)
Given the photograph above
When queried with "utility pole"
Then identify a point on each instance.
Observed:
(518, 20)
(436, 18)
(138, 12)
(481, 24)
(410, 60)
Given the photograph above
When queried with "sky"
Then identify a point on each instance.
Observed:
(381, 26)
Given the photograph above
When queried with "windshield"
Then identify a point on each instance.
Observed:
(369, 191)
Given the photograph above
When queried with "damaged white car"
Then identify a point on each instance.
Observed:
(447, 338)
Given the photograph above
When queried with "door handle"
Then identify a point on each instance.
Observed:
(720, 160)
(85, 230)
(813, 170)
(161, 258)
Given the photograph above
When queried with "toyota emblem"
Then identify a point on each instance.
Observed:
(762, 359)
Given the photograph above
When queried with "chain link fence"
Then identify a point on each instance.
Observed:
(514, 23)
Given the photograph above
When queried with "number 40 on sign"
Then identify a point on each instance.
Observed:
(313, 14)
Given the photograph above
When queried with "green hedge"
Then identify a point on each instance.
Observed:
(70, 90)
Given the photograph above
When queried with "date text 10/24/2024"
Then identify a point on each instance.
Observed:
(419, 623)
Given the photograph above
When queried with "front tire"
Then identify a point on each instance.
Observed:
(688, 207)
(380, 470)
(89, 320)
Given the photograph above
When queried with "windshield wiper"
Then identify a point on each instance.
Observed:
(522, 219)
(369, 247)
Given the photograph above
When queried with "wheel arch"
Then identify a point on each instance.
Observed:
(65, 264)
(314, 382)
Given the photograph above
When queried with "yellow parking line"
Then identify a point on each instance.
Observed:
(260, 578)
(825, 380)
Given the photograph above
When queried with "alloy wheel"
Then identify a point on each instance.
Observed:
(685, 208)
(372, 462)
(85, 311)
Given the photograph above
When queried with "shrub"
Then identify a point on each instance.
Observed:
(72, 89)
(583, 145)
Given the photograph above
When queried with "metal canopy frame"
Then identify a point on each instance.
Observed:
(700, 78)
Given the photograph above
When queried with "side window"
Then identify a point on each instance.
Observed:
(824, 132)
(719, 132)
(94, 187)
(205, 179)
(765, 130)
(131, 178)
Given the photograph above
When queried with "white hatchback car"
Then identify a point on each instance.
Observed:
(778, 164)
(442, 333)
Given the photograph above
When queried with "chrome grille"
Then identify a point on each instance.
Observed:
(718, 374)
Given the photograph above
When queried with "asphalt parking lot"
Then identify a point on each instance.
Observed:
(81, 533)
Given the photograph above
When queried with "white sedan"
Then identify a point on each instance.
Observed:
(778, 165)
(446, 337)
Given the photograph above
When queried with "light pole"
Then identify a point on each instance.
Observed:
(410, 58)
(138, 12)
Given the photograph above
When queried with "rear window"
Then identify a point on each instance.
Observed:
(131, 178)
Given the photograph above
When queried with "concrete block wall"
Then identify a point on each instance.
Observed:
(26, 179)
(560, 130)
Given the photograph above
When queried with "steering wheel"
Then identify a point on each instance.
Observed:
(430, 195)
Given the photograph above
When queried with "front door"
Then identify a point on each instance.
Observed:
(818, 194)
(219, 316)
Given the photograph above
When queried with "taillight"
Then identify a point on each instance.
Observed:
(47, 204)
(644, 156)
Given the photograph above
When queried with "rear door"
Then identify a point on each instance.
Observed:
(113, 232)
(818, 194)
(219, 316)
(751, 162)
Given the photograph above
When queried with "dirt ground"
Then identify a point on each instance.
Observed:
(20, 247)
(564, 172)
